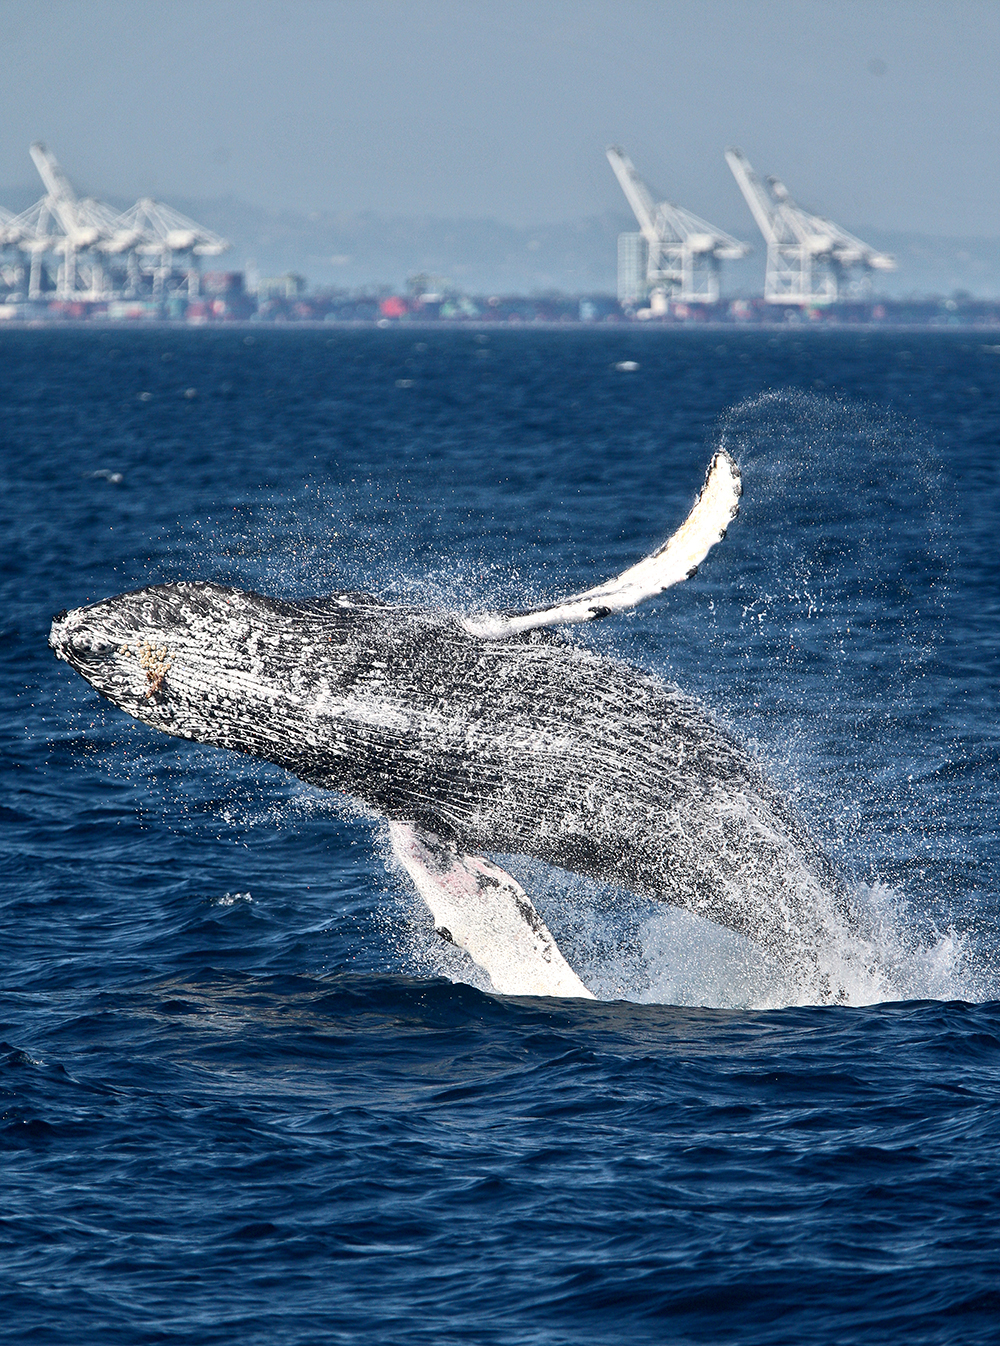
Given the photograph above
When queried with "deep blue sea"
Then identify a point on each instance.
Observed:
(246, 1095)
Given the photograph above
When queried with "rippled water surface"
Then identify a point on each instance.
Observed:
(246, 1094)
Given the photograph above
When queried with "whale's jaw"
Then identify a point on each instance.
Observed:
(225, 667)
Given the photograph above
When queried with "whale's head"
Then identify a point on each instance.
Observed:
(184, 658)
(227, 666)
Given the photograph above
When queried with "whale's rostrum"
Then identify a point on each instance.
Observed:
(483, 735)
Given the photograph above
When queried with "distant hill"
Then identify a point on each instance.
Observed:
(479, 256)
(486, 256)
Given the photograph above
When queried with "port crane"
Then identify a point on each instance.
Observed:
(11, 275)
(159, 232)
(809, 258)
(35, 231)
(84, 225)
(683, 251)
(92, 239)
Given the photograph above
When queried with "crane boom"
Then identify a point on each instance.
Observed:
(56, 182)
(637, 194)
(754, 192)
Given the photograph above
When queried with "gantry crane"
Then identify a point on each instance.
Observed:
(161, 232)
(83, 224)
(809, 258)
(11, 274)
(683, 251)
(35, 231)
(88, 235)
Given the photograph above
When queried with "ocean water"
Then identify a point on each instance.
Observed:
(247, 1095)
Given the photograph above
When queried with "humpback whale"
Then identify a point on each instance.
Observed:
(478, 735)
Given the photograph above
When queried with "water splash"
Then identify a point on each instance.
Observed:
(631, 948)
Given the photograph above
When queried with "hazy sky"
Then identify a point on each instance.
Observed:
(873, 111)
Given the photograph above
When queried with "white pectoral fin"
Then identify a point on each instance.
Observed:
(677, 560)
(479, 907)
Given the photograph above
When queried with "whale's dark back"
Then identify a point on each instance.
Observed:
(534, 746)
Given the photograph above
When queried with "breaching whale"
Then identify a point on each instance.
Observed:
(478, 735)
